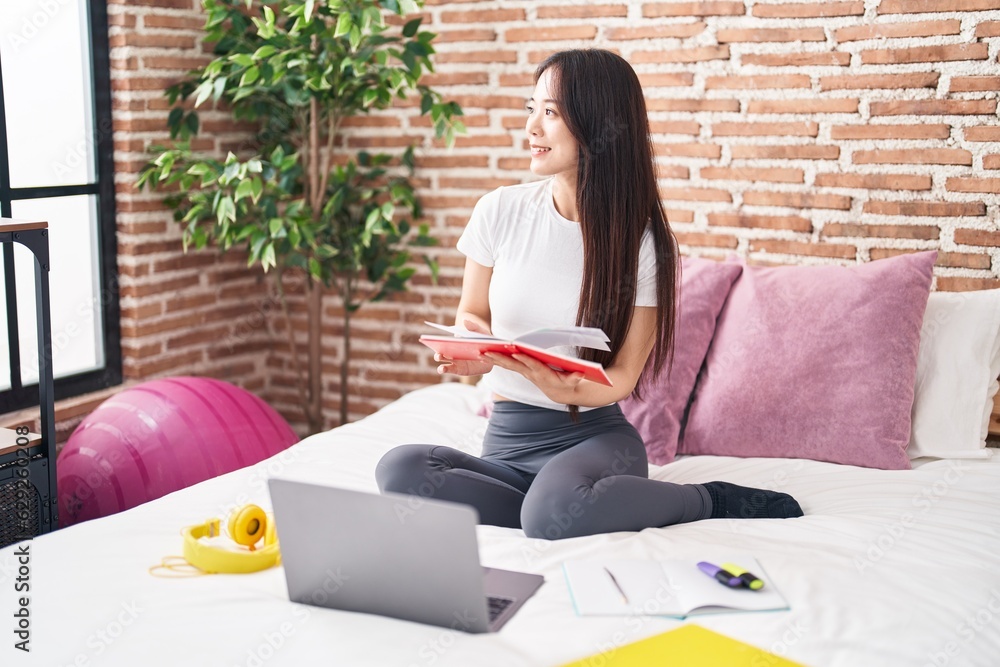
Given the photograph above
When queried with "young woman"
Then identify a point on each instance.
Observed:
(587, 245)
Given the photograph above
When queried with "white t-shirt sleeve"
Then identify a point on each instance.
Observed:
(645, 291)
(478, 241)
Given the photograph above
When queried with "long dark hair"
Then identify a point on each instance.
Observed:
(601, 101)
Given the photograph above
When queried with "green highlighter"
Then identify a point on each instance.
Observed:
(749, 580)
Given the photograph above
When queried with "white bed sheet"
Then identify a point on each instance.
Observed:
(892, 568)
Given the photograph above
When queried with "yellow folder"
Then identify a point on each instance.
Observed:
(686, 646)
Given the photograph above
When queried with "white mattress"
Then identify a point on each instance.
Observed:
(891, 568)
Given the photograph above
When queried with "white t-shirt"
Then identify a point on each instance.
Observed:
(537, 260)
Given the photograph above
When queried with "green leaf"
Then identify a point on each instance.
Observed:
(411, 27)
(268, 258)
(265, 51)
(310, 6)
(275, 225)
(251, 75)
(373, 218)
(344, 25)
(226, 210)
(244, 189)
(315, 269)
(354, 38)
(219, 88)
(426, 102)
(370, 96)
(242, 59)
(204, 91)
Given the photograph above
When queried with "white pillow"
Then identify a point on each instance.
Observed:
(957, 370)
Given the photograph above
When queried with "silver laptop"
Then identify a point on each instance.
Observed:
(394, 555)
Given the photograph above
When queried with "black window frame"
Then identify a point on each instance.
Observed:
(21, 396)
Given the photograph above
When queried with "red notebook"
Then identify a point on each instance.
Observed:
(466, 345)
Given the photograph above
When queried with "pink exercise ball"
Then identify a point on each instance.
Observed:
(161, 436)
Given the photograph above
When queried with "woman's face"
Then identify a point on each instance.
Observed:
(553, 148)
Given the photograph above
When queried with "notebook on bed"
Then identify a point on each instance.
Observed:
(393, 555)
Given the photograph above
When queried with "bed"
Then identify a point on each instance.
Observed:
(854, 389)
(887, 568)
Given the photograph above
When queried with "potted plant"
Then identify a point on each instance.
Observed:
(297, 69)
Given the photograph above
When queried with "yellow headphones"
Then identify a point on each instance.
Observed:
(246, 526)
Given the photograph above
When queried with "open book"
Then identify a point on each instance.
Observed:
(674, 588)
(463, 344)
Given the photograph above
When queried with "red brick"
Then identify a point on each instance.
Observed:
(962, 284)
(687, 127)
(980, 237)
(914, 156)
(793, 223)
(725, 35)
(913, 232)
(481, 184)
(765, 174)
(935, 108)
(757, 82)
(456, 78)
(891, 30)
(660, 104)
(679, 30)
(483, 16)
(784, 152)
(653, 10)
(713, 240)
(984, 185)
(834, 250)
(966, 84)
(991, 161)
(883, 81)
(546, 34)
(173, 22)
(687, 150)
(588, 11)
(808, 10)
(982, 133)
(812, 106)
(822, 58)
(927, 6)
(695, 194)
(691, 55)
(468, 35)
(796, 129)
(492, 56)
(988, 29)
(666, 79)
(523, 79)
(796, 200)
(874, 181)
(926, 54)
(929, 131)
(925, 208)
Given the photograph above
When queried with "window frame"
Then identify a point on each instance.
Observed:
(103, 188)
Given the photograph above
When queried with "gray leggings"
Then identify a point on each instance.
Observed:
(541, 472)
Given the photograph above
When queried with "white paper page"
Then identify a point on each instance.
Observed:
(663, 588)
(461, 332)
(700, 593)
(575, 336)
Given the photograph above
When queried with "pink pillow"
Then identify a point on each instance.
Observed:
(657, 416)
(815, 362)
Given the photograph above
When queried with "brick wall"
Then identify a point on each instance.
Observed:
(826, 132)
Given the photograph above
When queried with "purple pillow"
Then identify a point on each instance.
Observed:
(657, 416)
(815, 362)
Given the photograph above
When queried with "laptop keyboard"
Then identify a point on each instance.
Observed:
(497, 605)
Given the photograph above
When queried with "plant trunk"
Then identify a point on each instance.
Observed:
(345, 363)
(314, 302)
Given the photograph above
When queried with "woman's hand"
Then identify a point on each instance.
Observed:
(557, 385)
(464, 367)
